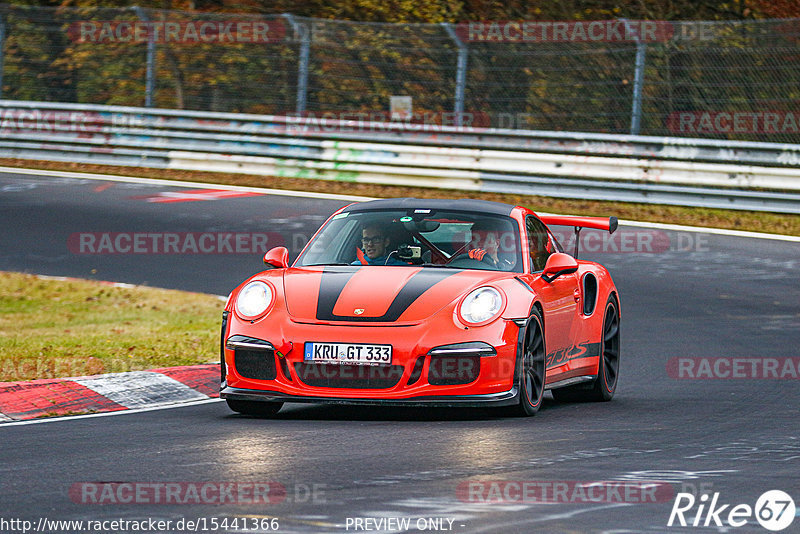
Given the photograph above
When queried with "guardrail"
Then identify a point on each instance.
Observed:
(659, 170)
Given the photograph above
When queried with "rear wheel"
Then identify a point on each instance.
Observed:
(604, 386)
(254, 408)
(530, 371)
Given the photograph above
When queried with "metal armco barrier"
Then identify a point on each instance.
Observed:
(658, 170)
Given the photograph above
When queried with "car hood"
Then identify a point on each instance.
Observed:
(375, 293)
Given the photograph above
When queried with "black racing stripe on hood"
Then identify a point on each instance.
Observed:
(333, 283)
(330, 287)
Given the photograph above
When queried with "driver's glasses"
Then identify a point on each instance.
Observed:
(372, 240)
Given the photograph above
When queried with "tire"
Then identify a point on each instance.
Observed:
(254, 408)
(530, 373)
(602, 388)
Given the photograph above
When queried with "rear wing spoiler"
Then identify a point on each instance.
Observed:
(608, 224)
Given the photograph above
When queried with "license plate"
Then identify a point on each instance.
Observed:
(348, 353)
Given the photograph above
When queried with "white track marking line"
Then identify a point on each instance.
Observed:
(354, 198)
(698, 229)
(107, 414)
(177, 183)
(716, 231)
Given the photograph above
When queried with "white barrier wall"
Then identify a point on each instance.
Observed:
(691, 172)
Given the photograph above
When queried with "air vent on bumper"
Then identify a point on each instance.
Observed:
(253, 358)
(457, 364)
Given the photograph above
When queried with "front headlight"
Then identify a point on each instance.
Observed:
(481, 305)
(254, 299)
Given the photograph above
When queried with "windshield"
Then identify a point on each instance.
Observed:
(401, 238)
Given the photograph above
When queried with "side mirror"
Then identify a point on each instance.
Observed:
(277, 257)
(558, 264)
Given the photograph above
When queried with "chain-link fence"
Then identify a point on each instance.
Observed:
(736, 80)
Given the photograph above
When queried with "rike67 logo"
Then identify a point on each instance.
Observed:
(774, 510)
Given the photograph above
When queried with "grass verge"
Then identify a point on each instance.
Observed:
(53, 328)
(712, 218)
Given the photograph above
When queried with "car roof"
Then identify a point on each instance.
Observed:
(462, 204)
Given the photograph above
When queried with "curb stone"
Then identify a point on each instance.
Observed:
(20, 401)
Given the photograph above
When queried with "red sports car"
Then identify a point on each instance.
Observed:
(419, 302)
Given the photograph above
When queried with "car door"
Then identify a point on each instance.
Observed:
(559, 298)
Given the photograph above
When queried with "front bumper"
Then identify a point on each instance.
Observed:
(505, 398)
(271, 366)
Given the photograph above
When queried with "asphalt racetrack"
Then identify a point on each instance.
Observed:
(680, 426)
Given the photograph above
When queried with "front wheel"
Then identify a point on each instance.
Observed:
(604, 386)
(531, 369)
(254, 408)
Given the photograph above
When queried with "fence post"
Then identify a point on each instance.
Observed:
(461, 72)
(302, 66)
(150, 77)
(638, 80)
(2, 46)
(638, 84)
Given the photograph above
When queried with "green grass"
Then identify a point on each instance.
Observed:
(705, 217)
(53, 328)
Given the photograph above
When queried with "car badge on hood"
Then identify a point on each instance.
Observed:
(358, 311)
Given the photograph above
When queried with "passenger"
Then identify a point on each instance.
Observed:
(486, 245)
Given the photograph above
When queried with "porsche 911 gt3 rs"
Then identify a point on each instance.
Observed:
(419, 302)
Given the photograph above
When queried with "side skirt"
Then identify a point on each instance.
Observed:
(570, 382)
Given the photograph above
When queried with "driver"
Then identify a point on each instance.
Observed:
(375, 245)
